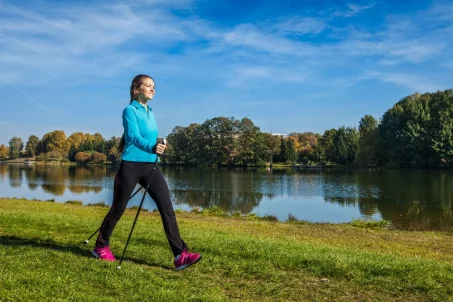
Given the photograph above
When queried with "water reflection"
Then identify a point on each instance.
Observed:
(409, 199)
(57, 179)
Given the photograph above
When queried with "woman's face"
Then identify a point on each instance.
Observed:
(146, 90)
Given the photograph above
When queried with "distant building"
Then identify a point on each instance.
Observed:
(279, 134)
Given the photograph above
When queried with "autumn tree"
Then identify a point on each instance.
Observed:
(3, 151)
(83, 157)
(98, 157)
(99, 144)
(113, 155)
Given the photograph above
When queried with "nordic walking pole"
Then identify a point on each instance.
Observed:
(87, 240)
(138, 211)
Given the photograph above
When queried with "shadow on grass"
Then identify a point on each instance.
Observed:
(143, 262)
(46, 244)
(15, 241)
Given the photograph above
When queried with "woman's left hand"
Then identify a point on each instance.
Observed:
(160, 148)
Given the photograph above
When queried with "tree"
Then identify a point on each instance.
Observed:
(247, 141)
(287, 150)
(367, 123)
(57, 142)
(440, 129)
(88, 143)
(215, 139)
(54, 141)
(183, 145)
(290, 154)
(113, 155)
(75, 140)
(15, 146)
(327, 145)
(404, 132)
(271, 146)
(113, 142)
(3, 151)
(346, 144)
(368, 138)
(31, 146)
(99, 143)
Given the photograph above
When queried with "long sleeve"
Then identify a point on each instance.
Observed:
(131, 130)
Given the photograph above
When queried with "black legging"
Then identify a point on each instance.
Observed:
(128, 175)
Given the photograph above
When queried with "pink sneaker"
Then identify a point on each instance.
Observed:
(103, 253)
(186, 259)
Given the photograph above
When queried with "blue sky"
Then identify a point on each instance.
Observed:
(289, 66)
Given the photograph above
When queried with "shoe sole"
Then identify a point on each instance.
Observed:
(180, 268)
(97, 257)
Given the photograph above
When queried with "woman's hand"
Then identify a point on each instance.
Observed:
(160, 148)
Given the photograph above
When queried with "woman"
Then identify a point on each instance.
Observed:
(139, 150)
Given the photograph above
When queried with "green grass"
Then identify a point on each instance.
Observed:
(245, 258)
(370, 224)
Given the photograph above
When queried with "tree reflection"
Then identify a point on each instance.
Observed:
(3, 170)
(243, 202)
(417, 199)
(230, 189)
(54, 188)
(15, 176)
(410, 199)
(84, 189)
(55, 179)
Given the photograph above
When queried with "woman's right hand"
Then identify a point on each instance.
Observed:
(160, 148)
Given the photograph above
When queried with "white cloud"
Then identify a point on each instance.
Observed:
(245, 75)
(102, 40)
(352, 10)
(247, 35)
(415, 83)
(302, 26)
(80, 40)
(440, 12)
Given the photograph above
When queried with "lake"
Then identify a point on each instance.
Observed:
(409, 199)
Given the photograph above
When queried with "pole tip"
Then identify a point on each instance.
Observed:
(85, 242)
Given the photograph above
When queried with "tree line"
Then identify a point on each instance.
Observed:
(416, 132)
(56, 146)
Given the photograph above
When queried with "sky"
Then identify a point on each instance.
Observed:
(289, 66)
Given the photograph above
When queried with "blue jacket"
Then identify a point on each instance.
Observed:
(140, 133)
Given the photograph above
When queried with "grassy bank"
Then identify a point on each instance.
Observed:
(243, 259)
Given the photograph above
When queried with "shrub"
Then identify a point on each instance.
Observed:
(74, 202)
(98, 158)
(82, 157)
(41, 157)
(214, 211)
(369, 224)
